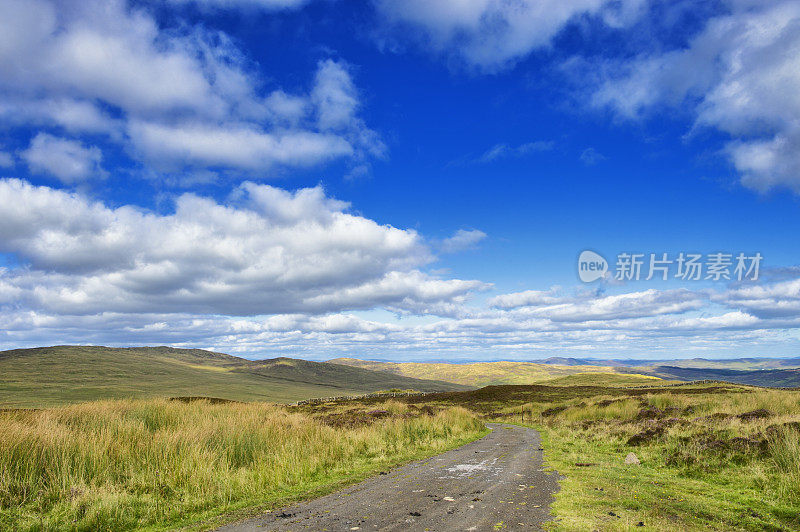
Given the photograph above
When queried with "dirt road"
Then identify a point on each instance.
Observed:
(495, 483)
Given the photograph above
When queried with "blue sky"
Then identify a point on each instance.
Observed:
(397, 180)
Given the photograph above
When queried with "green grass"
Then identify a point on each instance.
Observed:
(158, 464)
(61, 375)
(697, 472)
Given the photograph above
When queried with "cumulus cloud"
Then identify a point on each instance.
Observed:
(658, 323)
(621, 306)
(174, 98)
(239, 146)
(67, 160)
(780, 299)
(739, 76)
(70, 115)
(269, 252)
(491, 34)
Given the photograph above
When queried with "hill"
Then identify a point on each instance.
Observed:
(606, 379)
(783, 378)
(477, 373)
(64, 374)
(735, 363)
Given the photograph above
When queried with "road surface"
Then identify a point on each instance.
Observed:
(495, 483)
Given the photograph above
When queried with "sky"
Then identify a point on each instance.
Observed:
(400, 179)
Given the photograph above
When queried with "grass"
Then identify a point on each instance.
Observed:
(706, 464)
(159, 464)
(713, 456)
(44, 377)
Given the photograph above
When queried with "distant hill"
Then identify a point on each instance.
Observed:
(477, 373)
(563, 371)
(784, 378)
(735, 363)
(63, 374)
(564, 361)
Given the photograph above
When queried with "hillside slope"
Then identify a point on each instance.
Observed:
(477, 373)
(64, 374)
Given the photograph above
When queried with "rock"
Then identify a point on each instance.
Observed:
(632, 459)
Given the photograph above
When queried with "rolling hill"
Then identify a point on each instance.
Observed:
(735, 363)
(477, 373)
(781, 378)
(64, 374)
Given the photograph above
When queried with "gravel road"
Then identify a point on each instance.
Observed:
(495, 483)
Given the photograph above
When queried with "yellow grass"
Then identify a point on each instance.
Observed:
(478, 373)
(128, 464)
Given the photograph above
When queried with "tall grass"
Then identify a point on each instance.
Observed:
(710, 460)
(128, 464)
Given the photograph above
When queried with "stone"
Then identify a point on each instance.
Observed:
(631, 459)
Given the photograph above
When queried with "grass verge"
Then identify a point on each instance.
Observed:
(714, 461)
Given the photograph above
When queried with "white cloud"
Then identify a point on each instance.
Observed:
(622, 306)
(270, 251)
(461, 240)
(6, 159)
(180, 98)
(491, 34)
(267, 5)
(500, 151)
(781, 299)
(66, 160)
(237, 145)
(740, 75)
(528, 298)
(73, 116)
(648, 324)
(334, 96)
(591, 156)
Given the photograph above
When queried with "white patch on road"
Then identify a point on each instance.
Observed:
(466, 470)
